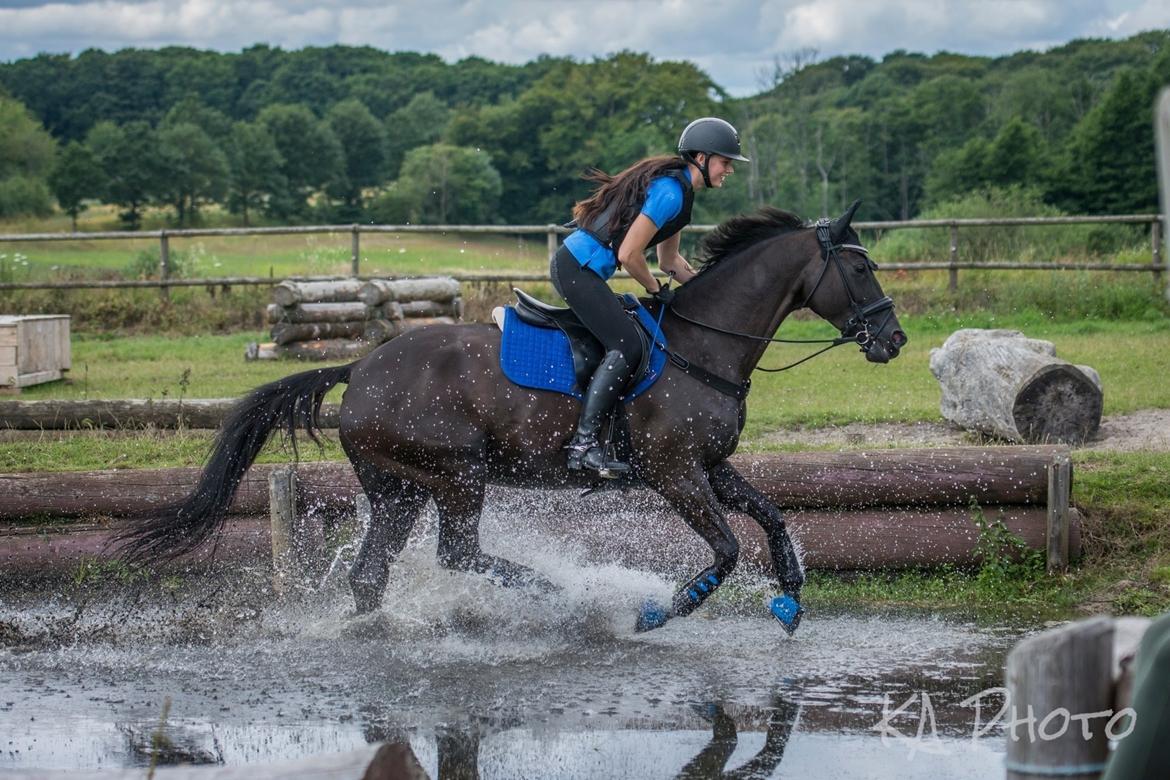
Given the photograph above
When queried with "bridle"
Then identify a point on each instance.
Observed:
(858, 329)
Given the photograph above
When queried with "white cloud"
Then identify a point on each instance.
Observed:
(733, 40)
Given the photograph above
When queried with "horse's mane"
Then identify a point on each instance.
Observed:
(738, 233)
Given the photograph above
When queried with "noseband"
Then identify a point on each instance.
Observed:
(858, 329)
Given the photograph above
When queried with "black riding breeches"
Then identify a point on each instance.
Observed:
(596, 306)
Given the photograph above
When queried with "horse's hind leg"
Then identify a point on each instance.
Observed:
(395, 504)
(460, 503)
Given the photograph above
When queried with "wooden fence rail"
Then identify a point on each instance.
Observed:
(1157, 265)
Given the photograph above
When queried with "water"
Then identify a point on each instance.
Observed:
(508, 683)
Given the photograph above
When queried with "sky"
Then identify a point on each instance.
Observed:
(737, 42)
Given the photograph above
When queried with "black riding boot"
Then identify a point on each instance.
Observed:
(585, 451)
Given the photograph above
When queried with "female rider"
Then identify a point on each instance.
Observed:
(645, 205)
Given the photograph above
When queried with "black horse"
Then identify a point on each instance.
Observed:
(430, 415)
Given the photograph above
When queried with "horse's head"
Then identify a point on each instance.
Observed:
(841, 287)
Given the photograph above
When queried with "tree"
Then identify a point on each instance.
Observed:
(363, 147)
(255, 166)
(128, 156)
(420, 122)
(76, 177)
(195, 170)
(447, 184)
(27, 154)
(1110, 156)
(312, 156)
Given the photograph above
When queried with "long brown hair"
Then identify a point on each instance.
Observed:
(627, 189)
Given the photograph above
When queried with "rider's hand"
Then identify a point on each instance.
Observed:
(664, 294)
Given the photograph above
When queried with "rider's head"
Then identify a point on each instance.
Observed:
(711, 145)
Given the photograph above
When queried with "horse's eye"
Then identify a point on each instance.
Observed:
(860, 268)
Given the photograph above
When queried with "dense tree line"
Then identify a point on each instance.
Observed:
(351, 133)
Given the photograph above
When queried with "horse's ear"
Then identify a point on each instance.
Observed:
(841, 223)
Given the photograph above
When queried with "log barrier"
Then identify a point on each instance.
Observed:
(339, 320)
(848, 510)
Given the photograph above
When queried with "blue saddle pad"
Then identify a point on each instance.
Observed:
(540, 357)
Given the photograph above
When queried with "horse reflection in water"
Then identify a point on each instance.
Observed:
(429, 415)
(458, 749)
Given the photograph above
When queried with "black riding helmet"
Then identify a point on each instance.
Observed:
(710, 135)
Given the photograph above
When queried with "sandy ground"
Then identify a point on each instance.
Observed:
(1145, 430)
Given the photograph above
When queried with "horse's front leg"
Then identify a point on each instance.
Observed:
(691, 496)
(736, 492)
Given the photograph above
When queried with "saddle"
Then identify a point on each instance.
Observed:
(547, 347)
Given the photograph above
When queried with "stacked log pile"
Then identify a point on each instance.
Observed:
(344, 319)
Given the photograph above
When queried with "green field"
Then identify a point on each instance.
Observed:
(134, 344)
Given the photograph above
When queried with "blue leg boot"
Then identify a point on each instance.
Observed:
(650, 616)
(788, 611)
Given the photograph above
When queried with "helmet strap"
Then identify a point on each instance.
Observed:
(689, 157)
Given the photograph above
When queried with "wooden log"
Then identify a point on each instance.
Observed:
(865, 539)
(50, 551)
(903, 477)
(1001, 383)
(391, 310)
(324, 349)
(414, 323)
(261, 351)
(439, 288)
(452, 308)
(849, 480)
(1051, 677)
(351, 311)
(380, 331)
(126, 413)
(286, 333)
(289, 293)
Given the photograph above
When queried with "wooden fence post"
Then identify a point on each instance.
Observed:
(552, 240)
(1059, 489)
(953, 273)
(282, 509)
(164, 264)
(1156, 248)
(1162, 139)
(1055, 679)
(356, 250)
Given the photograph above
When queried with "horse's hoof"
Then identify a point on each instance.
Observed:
(652, 615)
(788, 611)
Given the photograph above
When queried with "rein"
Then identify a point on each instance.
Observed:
(857, 330)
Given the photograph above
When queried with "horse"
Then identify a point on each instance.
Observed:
(429, 415)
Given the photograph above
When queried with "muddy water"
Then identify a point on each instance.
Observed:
(477, 678)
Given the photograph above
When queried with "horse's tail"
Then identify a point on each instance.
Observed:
(287, 403)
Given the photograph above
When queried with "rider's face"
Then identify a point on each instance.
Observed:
(719, 168)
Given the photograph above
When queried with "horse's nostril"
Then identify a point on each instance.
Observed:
(898, 339)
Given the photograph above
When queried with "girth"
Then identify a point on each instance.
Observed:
(586, 349)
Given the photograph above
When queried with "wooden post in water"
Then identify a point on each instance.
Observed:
(1060, 702)
(1059, 489)
(282, 508)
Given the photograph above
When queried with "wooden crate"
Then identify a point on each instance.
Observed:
(33, 349)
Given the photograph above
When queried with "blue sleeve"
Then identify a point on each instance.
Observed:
(664, 200)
